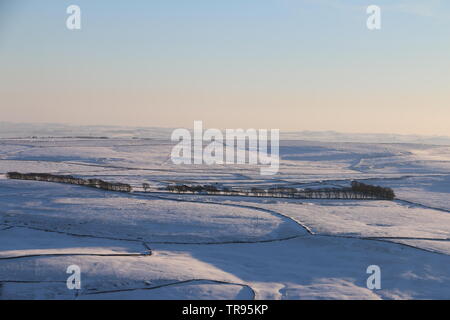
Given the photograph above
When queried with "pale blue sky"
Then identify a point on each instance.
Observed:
(288, 64)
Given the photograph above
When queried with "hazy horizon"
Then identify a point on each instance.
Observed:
(68, 124)
(10, 130)
(293, 65)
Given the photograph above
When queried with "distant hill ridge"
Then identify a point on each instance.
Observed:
(48, 130)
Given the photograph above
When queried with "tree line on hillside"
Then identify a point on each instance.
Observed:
(373, 191)
(357, 190)
(94, 183)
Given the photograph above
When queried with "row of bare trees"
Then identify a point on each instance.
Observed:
(94, 183)
(197, 189)
(373, 191)
(356, 191)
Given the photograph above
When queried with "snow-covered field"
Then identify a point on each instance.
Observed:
(166, 246)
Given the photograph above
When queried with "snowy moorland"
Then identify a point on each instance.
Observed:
(161, 245)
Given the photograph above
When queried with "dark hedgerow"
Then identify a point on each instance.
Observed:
(373, 191)
(95, 183)
(357, 190)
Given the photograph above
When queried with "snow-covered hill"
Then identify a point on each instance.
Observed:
(159, 245)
